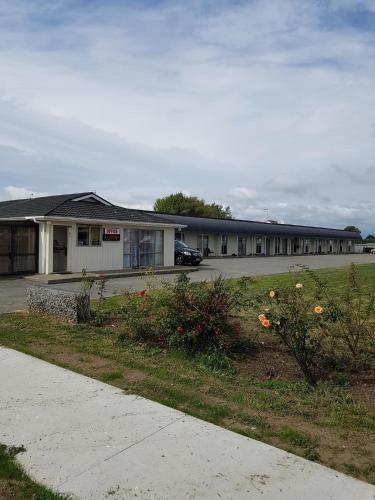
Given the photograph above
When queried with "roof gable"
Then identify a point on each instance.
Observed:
(84, 206)
(34, 207)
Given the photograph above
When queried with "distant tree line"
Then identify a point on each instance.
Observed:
(369, 239)
(181, 204)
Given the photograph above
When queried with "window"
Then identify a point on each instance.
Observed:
(224, 244)
(83, 236)
(95, 236)
(88, 236)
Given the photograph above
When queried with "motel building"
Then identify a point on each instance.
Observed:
(69, 233)
(242, 238)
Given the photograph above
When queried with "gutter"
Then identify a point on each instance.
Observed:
(39, 219)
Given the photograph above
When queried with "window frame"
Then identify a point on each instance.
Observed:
(89, 227)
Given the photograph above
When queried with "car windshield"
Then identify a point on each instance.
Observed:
(180, 244)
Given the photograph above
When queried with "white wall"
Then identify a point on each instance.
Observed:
(169, 247)
(106, 257)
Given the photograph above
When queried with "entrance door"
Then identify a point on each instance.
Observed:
(131, 248)
(241, 246)
(143, 248)
(268, 247)
(60, 249)
(202, 244)
(284, 246)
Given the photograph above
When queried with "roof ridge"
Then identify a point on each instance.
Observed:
(71, 198)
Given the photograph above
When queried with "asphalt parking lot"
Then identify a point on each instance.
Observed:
(12, 290)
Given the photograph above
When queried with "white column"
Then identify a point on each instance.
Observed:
(169, 247)
(49, 248)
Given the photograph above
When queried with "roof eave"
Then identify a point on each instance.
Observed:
(110, 221)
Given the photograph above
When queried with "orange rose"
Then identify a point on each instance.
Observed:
(318, 310)
(266, 323)
(261, 317)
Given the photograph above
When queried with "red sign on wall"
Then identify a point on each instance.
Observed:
(111, 234)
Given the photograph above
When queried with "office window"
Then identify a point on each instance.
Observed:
(224, 244)
(89, 236)
(83, 236)
(95, 236)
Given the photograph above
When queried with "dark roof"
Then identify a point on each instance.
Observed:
(30, 207)
(224, 226)
(84, 210)
(64, 206)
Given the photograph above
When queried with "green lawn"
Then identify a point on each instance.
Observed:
(15, 484)
(332, 424)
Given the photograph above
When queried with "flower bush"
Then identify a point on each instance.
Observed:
(298, 324)
(319, 324)
(195, 317)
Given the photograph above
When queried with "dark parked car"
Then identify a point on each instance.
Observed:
(183, 254)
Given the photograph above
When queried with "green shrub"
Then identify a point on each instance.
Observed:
(352, 324)
(193, 317)
(199, 314)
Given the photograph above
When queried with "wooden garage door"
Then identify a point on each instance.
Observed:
(18, 249)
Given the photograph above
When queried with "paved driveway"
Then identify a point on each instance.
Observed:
(86, 438)
(12, 291)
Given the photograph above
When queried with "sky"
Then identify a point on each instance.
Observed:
(264, 105)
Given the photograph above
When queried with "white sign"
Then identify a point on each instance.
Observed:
(111, 230)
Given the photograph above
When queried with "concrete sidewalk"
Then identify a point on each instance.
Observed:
(88, 439)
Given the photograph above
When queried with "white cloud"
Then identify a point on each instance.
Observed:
(16, 192)
(138, 101)
(244, 193)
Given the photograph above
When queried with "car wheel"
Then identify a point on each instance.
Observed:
(196, 264)
(179, 260)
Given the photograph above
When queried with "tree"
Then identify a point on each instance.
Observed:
(370, 238)
(352, 228)
(179, 203)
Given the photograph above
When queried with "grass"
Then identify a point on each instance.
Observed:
(15, 484)
(332, 424)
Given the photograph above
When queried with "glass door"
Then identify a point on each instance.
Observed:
(131, 248)
(202, 244)
(143, 248)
